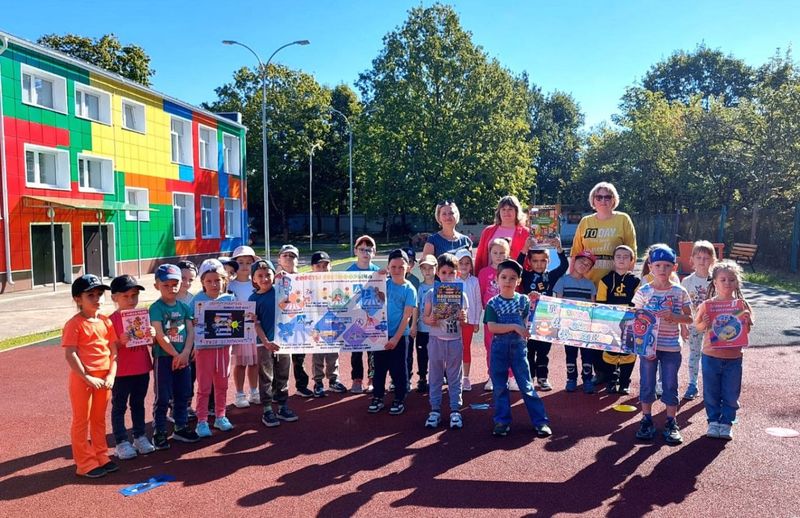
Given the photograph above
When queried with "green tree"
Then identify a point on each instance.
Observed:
(129, 61)
(446, 122)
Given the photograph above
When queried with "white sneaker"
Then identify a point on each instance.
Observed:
(713, 430)
(241, 401)
(466, 386)
(512, 385)
(455, 421)
(255, 397)
(125, 451)
(433, 420)
(488, 387)
(143, 445)
(725, 432)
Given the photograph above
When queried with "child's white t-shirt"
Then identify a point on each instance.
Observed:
(241, 289)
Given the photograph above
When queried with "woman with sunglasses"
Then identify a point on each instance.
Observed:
(601, 232)
(509, 224)
(447, 240)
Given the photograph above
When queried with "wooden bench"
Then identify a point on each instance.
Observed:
(744, 253)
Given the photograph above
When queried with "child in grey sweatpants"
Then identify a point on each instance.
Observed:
(445, 347)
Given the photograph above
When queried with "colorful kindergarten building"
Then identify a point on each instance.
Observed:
(103, 175)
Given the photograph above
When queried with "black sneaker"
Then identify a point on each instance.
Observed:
(422, 386)
(646, 431)
(95, 473)
(672, 434)
(319, 390)
(612, 388)
(191, 415)
(337, 387)
(543, 431)
(624, 390)
(185, 435)
(110, 467)
(375, 406)
(397, 408)
(304, 392)
(501, 430)
(286, 414)
(161, 441)
(269, 419)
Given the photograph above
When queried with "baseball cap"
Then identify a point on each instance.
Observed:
(588, 255)
(320, 257)
(124, 283)
(265, 264)
(398, 254)
(242, 251)
(291, 249)
(462, 253)
(429, 260)
(367, 239)
(662, 253)
(210, 265)
(510, 264)
(85, 283)
(412, 256)
(167, 272)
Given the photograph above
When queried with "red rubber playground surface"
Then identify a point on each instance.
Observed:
(340, 461)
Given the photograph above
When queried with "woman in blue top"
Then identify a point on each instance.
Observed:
(447, 240)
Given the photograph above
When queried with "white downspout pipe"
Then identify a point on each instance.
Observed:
(3, 179)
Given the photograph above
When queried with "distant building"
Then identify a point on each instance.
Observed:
(82, 148)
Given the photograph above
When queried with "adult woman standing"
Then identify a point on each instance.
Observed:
(447, 239)
(601, 232)
(509, 223)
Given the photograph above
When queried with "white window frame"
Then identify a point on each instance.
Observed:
(139, 116)
(233, 225)
(207, 151)
(142, 199)
(103, 103)
(209, 217)
(106, 172)
(61, 163)
(183, 140)
(231, 155)
(186, 216)
(59, 88)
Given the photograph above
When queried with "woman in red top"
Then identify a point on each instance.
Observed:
(509, 223)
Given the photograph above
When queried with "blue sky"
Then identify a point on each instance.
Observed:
(592, 49)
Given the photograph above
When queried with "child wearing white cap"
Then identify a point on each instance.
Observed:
(245, 356)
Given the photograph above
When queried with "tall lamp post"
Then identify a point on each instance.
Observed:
(317, 145)
(265, 166)
(350, 158)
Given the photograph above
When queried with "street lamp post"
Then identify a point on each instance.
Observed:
(310, 208)
(265, 166)
(350, 158)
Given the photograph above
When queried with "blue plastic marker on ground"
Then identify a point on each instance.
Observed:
(479, 406)
(143, 487)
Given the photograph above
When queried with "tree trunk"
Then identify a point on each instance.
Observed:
(754, 224)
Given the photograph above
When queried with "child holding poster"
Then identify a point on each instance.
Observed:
(697, 284)
(213, 362)
(133, 368)
(325, 365)
(427, 266)
(245, 356)
(726, 318)
(507, 317)
(445, 310)
(364, 250)
(672, 306)
(499, 250)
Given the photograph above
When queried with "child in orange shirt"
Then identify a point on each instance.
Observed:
(90, 344)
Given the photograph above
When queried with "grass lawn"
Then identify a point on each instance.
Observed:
(10, 343)
(781, 279)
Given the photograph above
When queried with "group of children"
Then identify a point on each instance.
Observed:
(103, 367)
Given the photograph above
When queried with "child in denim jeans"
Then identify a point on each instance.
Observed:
(507, 319)
(722, 366)
(672, 306)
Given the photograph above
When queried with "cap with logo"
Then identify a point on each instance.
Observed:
(86, 283)
(124, 283)
(320, 257)
(168, 272)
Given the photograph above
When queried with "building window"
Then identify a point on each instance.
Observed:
(230, 154)
(207, 147)
(46, 167)
(133, 116)
(183, 215)
(233, 217)
(43, 89)
(95, 174)
(181, 136)
(140, 198)
(92, 104)
(209, 216)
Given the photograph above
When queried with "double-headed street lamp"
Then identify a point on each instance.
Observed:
(265, 167)
(350, 155)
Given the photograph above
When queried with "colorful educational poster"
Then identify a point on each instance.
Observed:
(619, 329)
(728, 323)
(447, 299)
(327, 312)
(136, 323)
(544, 223)
(224, 322)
